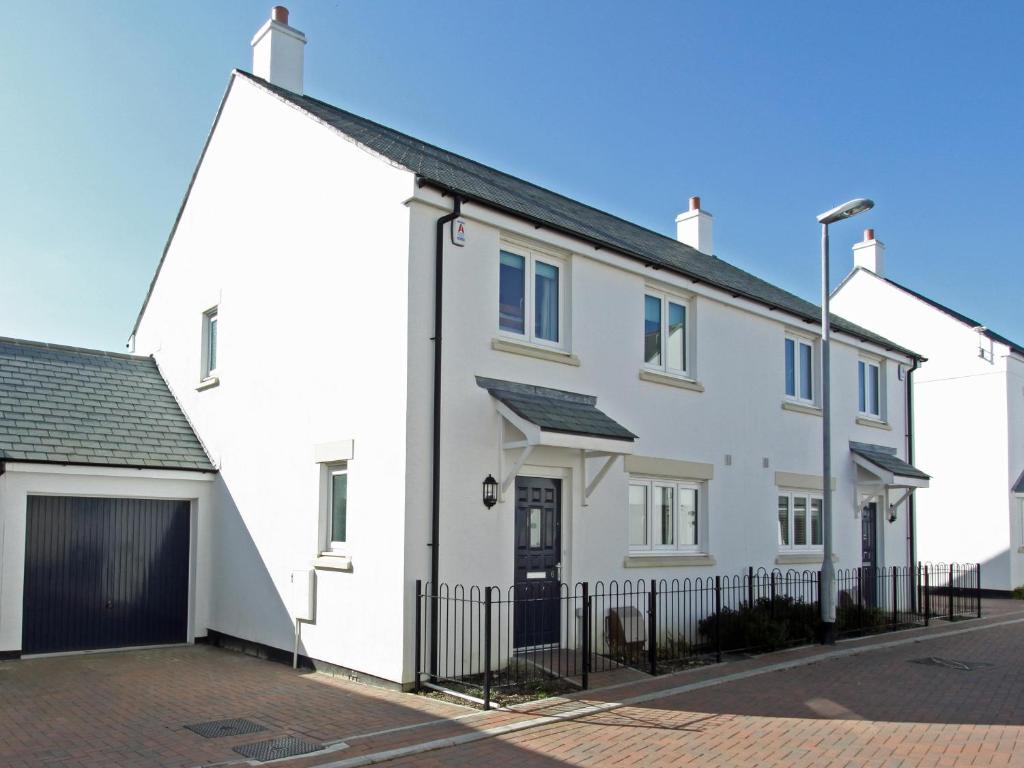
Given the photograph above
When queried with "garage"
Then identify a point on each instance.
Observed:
(104, 504)
(104, 573)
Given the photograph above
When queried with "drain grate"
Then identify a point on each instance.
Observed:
(275, 749)
(216, 728)
(961, 666)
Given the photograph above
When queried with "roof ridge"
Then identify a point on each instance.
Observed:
(68, 348)
(285, 93)
(954, 313)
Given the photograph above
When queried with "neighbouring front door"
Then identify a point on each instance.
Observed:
(869, 552)
(538, 548)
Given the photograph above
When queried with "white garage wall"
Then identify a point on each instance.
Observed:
(21, 480)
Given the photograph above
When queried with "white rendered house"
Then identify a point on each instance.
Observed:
(661, 405)
(968, 407)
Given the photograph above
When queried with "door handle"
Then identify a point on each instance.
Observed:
(558, 573)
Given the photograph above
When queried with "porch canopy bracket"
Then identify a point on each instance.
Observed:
(890, 473)
(553, 418)
(589, 488)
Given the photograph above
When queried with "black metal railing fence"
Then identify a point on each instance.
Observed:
(530, 635)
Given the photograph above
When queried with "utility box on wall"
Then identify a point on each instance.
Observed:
(303, 598)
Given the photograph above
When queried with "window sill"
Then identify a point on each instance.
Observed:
(208, 383)
(866, 421)
(810, 410)
(528, 350)
(674, 559)
(802, 558)
(671, 381)
(331, 561)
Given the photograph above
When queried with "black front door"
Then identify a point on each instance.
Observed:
(869, 552)
(538, 543)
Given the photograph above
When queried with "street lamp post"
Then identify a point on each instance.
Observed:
(828, 570)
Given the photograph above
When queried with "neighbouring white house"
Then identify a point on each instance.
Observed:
(645, 408)
(968, 407)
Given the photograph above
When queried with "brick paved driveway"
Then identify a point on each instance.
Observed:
(876, 708)
(129, 709)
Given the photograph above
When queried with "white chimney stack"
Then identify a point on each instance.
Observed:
(693, 227)
(277, 52)
(870, 254)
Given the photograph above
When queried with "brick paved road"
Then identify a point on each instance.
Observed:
(129, 709)
(877, 708)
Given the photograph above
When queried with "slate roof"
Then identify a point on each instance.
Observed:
(886, 458)
(999, 338)
(485, 185)
(66, 405)
(555, 410)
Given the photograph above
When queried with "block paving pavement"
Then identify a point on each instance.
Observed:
(862, 703)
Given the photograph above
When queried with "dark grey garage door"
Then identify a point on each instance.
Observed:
(104, 573)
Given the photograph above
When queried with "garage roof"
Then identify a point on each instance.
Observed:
(65, 405)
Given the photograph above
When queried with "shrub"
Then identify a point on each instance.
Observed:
(766, 625)
(1018, 593)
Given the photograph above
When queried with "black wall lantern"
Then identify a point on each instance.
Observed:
(490, 491)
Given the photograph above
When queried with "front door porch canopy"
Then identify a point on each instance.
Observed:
(892, 471)
(558, 419)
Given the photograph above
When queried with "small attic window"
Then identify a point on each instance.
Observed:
(209, 346)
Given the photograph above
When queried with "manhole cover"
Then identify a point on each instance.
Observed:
(275, 749)
(217, 728)
(962, 666)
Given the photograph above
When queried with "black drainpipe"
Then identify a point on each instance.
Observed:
(435, 494)
(911, 543)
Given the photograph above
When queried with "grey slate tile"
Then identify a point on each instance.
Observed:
(555, 410)
(79, 406)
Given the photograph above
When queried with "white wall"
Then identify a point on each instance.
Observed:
(301, 238)
(739, 361)
(21, 480)
(962, 408)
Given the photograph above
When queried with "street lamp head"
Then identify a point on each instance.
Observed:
(846, 210)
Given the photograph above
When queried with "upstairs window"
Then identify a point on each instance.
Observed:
(869, 389)
(799, 369)
(209, 344)
(664, 516)
(799, 521)
(531, 297)
(665, 329)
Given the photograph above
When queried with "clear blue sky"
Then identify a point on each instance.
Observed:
(772, 112)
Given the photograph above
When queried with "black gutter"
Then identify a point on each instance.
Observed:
(911, 526)
(140, 467)
(435, 495)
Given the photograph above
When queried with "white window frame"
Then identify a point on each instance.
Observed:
(862, 364)
(792, 546)
(211, 324)
(531, 256)
(654, 520)
(812, 343)
(327, 537)
(687, 305)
